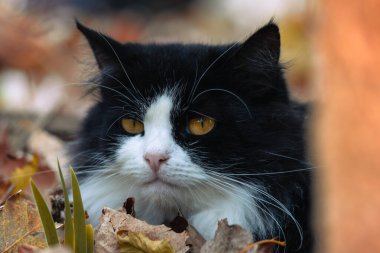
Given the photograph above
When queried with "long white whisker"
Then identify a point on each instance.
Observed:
(111, 89)
(121, 64)
(121, 83)
(276, 203)
(208, 68)
(229, 92)
(287, 157)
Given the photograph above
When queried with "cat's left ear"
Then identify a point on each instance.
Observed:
(263, 47)
(103, 47)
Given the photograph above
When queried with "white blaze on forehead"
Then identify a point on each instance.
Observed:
(157, 126)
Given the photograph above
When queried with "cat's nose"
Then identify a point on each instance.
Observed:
(155, 160)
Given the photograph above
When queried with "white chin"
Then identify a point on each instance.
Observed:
(160, 185)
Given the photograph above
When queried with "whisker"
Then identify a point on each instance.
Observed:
(229, 92)
(269, 173)
(113, 123)
(121, 64)
(193, 90)
(111, 89)
(287, 157)
(122, 84)
(275, 202)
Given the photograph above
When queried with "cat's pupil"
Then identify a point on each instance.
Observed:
(201, 121)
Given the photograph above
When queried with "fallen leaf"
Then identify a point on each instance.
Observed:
(112, 221)
(140, 243)
(21, 176)
(6, 188)
(195, 240)
(263, 246)
(228, 238)
(20, 224)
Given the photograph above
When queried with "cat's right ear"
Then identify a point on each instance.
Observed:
(103, 47)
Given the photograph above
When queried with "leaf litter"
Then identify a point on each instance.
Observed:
(117, 231)
(20, 224)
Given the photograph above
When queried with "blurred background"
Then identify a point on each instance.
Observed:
(44, 60)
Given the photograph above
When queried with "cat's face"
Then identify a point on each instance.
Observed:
(208, 130)
(172, 115)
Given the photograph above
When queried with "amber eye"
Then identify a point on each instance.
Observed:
(201, 125)
(132, 126)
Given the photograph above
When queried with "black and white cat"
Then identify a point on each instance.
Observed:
(205, 129)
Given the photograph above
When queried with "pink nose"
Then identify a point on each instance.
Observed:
(155, 160)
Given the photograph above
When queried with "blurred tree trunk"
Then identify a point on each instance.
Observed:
(346, 126)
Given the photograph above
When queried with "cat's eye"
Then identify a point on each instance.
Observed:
(200, 125)
(132, 126)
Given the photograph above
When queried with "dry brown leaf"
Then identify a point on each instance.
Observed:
(228, 238)
(195, 240)
(6, 188)
(112, 221)
(20, 224)
(140, 243)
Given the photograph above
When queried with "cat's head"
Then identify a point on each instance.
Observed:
(174, 115)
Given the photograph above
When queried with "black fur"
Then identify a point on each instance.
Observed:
(240, 85)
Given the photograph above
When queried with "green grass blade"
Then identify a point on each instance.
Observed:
(46, 218)
(68, 226)
(90, 238)
(80, 241)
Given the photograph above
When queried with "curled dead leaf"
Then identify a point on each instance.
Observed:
(112, 221)
(195, 240)
(228, 238)
(139, 243)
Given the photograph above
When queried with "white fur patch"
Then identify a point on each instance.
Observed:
(180, 184)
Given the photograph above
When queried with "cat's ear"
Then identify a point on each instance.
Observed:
(262, 47)
(103, 47)
(256, 64)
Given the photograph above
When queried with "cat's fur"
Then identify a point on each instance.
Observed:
(249, 169)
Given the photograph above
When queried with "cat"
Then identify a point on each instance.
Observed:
(207, 130)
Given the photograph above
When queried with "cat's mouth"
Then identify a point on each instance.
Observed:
(159, 183)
